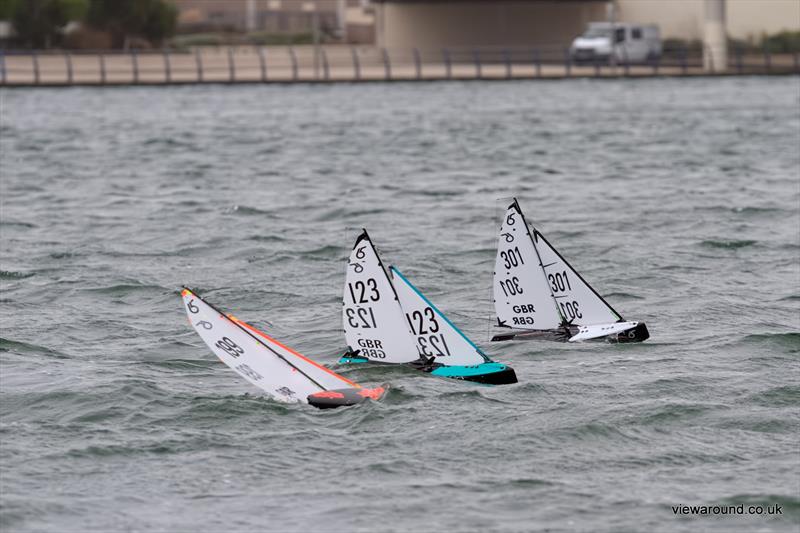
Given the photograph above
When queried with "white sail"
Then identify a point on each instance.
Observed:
(433, 332)
(278, 371)
(577, 301)
(372, 317)
(313, 370)
(522, 297)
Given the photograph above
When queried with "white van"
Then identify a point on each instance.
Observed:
(625, 43)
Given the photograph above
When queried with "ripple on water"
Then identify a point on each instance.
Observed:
(12, 275)
(29, 348)
(728, 244)
(246, 210)
(114, 414)
(789, 341)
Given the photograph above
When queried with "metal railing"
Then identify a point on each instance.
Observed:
(284, 64)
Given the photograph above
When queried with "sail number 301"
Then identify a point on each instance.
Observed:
(512, 257)
(559, 282)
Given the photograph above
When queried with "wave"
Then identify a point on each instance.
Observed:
(432, 193)
(786, 396)
(111, 450)
(731, 244)
(673, 412)
(789, 340)
(218, 407)
(8, 345)
(790, 505)
(169, 142)
(124, 289)
(470, 396)
(324, 252)
(592, 431)
(266, 238)
(248, 211)
(742, 210)
(624, 296)
(183, 364)
(752, 210)
(16, 224)
(10, 274)
(63, 255)
(347, 214)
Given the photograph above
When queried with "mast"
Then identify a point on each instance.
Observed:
(365, 236)
(282, 358)
(541, 265)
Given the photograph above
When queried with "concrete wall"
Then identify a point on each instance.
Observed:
(432, 26)
(684, 18)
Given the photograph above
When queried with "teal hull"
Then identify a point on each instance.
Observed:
(351, 359)
(489, 373)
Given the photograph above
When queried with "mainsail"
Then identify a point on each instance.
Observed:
(269, 365)
(577, 301)
(371, 314)
(535, 287)
(433, 332)
(522, 297)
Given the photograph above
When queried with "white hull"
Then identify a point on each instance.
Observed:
(597, 331)
(614, 332)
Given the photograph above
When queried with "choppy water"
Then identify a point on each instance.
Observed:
(678, 199)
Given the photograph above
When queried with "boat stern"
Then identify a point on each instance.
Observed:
(329, 399)
(637, 333)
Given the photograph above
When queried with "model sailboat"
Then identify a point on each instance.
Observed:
(279, 371)
(386, 319)
(539, 294)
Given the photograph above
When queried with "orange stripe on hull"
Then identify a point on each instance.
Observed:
(328, 394)
(304, 358)
(374, 394)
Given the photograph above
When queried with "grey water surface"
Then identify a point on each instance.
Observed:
(679, 200)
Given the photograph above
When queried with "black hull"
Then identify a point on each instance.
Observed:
(344, 397)
(637, 334)
(504, 377)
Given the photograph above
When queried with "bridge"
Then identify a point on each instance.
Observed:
(436, 24)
